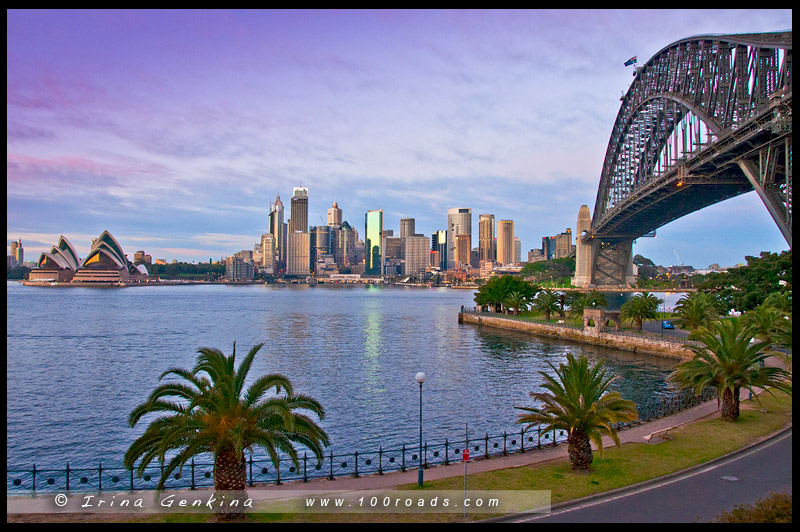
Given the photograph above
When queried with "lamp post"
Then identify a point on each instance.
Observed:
(420, 377)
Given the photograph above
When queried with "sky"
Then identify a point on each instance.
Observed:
(175, 130)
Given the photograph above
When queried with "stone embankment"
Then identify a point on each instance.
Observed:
(589, 335)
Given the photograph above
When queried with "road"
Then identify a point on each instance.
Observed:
(698, 495)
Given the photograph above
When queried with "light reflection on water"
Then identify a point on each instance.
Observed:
(80, 359)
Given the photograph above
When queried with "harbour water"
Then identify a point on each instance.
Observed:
(80, 359)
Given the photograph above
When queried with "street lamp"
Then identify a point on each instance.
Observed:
(420, 377)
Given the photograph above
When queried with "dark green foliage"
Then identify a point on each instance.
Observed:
(746, 287)
(496, 290)
(775, 508)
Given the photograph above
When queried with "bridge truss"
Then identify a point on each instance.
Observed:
(707, 118)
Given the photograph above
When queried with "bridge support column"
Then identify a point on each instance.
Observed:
(612, 266)
(583, 250)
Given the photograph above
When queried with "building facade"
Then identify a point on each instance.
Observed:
(373, 229)
(459, 222)
(486, 245)
(417, 254)
(505, 242)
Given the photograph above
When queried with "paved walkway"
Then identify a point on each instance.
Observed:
(649, 432)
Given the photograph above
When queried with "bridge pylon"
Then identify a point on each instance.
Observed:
(601, 263)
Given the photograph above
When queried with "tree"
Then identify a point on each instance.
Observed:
(516, 300)
(578, 401)
(746, 287)
(495, 291)
(640, 307)
(548, 302)
(696, 309)
(210, 411)
(595, 299)
(729, 361)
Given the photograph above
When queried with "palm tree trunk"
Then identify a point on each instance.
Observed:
(580, 450)
(230, 482)
(730, 404)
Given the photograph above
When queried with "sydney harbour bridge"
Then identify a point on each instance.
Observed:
(707, 118)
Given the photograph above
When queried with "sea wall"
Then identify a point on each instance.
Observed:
(590, 335)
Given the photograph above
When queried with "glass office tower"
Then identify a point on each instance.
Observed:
(372, 243)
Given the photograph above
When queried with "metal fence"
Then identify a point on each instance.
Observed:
(261, 470)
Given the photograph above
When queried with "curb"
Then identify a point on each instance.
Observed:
(633, 487)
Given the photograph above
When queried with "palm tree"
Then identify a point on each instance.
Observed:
(595, 299)
(546, 301)
(516, 300)
(212, 412)
(640, 307)
(729, 361)
(696, 309)
(579, 402)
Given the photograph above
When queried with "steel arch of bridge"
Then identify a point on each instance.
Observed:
(705, 119)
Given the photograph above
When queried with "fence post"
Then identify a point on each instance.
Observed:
(446, 453)
(331, 463)
(522, 440)
(193, 486)
(131, 479)
(505, 452)
(100, 477)
(486, 447)
(305, 466)
(251, 471)
(67, 476)
(278, 469)
(380, 460)
(34, 477)
(356, 458)
(424, 457)
(403, 466)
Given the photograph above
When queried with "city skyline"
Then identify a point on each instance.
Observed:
(175, 131)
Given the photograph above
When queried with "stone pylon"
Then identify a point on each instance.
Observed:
(583, 250)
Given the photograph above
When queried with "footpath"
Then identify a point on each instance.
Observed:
(650, 432)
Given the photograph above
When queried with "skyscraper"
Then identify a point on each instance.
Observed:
(459, 222)
(505, 242)
(417, 254)
(277, 231)
(335, 215)
(461, 251)
(439, 245)
(486, 250)
(372, 242)
(299, 212)
(407, 227)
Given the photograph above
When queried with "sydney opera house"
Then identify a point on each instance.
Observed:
(106, 264)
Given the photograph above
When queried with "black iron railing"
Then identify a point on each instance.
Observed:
(261, 470)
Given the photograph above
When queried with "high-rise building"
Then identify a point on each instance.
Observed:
(505, 242)
(461, 255)
(517, 250)
(17, 253)
(320, 242)
(439, 245)
(335, 215)
(299, 211)
(407, 227)
(459, 222)
(298, 248)
(417, 254)
(268, 253)
(486, 250)
(373, 227)
(345, 251)
(276, 229)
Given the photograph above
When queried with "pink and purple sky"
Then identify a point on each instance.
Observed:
(175, 130)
